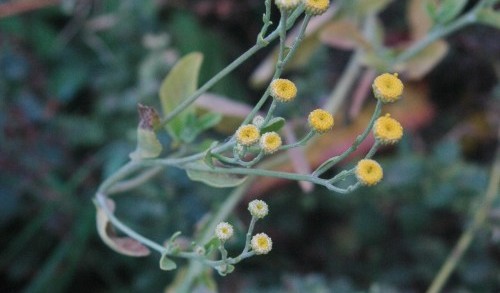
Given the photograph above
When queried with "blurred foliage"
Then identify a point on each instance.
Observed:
(70, 80)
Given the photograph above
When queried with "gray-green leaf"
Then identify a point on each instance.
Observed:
(180, 83)
(166, 263)
(213, 178)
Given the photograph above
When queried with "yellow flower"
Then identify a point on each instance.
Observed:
(287, 5)
(320, 120)
(369, 172)
(258, 208)
(283, 90)
(224, 231)
(316, 7)
(270, 142)
(247, 134)
(261, 243)
(387, 87)
(387, 130)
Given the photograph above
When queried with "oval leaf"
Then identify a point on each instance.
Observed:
(148, 145)
(166, 263)
(123, 245)
(180, 83)
(274, 124)
(212, 178)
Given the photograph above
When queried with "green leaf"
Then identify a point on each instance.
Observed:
(274, 124)
(211, 245)
(431, 9)
(148, 145)
(213, 178)
(489, 17)
(208, 120)
(123, 245)
(166, 263)
(207, 159)
(448, 10)
(180, 83)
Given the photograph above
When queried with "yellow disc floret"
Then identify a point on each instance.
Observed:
(287, 5)
(320, 120)
(261, 243)
(247, 134)
(316, 7)
(283, 90)
(387, 87)
(369, 172)
(270, 142)
(224, 231)
(387, 130)
(258, 208)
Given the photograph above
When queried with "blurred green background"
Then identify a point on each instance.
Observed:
(71, 75)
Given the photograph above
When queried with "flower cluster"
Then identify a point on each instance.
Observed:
(387, 88)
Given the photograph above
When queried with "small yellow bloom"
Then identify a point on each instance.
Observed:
(369, 172)
(387, 130)
(258, 208)
(270, 142)
(287, 5)
(283, 90)
(261, 243)
(224, 231)
(387, 87)
(320, 120)
(247, 134)
(316, 7)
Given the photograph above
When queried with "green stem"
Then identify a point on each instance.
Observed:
(101, 200)
(228, 69)
(301, 142)
(131, 183)
(331, 162)
(249, 235)
(436, 34)
(466, 239)
(266, 173)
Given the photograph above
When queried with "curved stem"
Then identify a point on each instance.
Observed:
(331, 162)
(301, 142)
(101, 200)
(469, 234)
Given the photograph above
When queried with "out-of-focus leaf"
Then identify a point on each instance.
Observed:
(232, 112)
(448, 10)
(179, 84)
(419, 19)
(422, 63)
(214, 179)
(343, 35)
(370, 6)
(274, 124)
(123, 245)
(490, 17)
(166, 263)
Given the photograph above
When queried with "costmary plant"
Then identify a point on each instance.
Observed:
(231, 162)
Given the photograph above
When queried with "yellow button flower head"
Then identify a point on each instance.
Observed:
(270, 142)
(369, 172)
(387, 87)
(283, 90)
(247, 134)
(258, 208)
(287, 5)
(316, 7)
(320, 120)
(387, 130)
(261, 243)
(224, 231)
